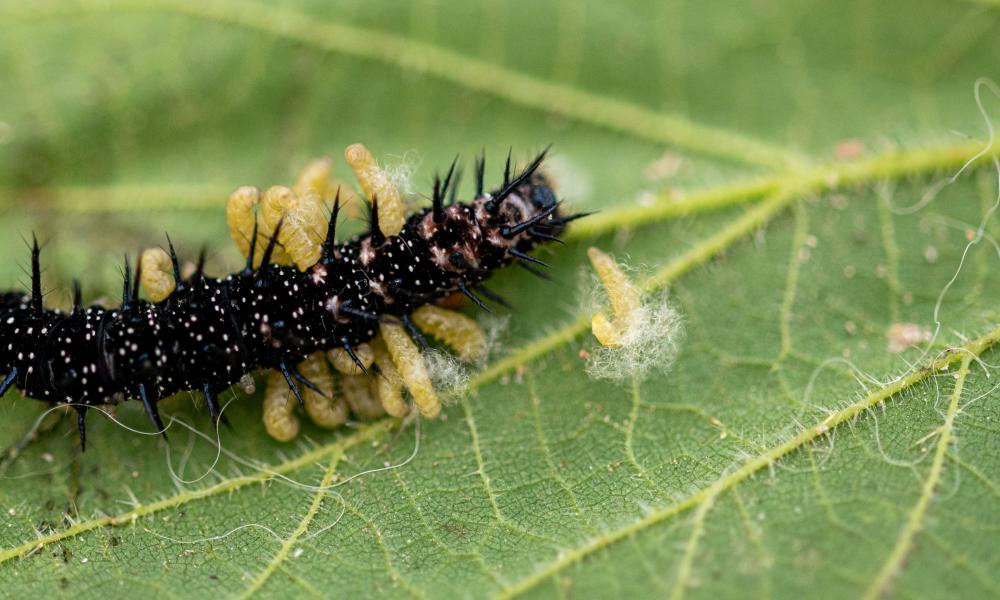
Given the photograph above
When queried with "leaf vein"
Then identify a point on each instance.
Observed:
(454, 67)
(228, 485)
(286, 546)
(904, 543)
(755, 464)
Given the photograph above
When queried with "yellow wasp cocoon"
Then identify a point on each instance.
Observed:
(303, 223)
(376, 184)
(279, 409)
(410, 364)
(157, 274)
(389, 385)
(357, 391)
(343, 362)
(315, 178)
(240, 216)
(325, 409)
(456, 330)
(318, 177)
(624, 297)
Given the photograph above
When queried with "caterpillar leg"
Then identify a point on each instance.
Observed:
(624, 298)
(459, 332)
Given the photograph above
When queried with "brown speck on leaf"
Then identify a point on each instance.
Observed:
(848, 149)
(584, 355)
(905, 335)
(664, 167)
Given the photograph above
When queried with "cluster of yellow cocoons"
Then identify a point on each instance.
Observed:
(303, 213)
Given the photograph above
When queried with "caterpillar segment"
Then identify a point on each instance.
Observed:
(303, 302)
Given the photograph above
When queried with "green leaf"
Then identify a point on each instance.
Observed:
(784, 169)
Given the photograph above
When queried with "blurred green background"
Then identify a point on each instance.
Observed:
(123, 119)
(137, 117)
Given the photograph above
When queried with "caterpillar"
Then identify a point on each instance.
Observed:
(361, 303)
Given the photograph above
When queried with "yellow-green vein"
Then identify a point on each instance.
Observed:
(894, 563)
(449, 65)
(229, 485)
(286, 546)
(888, 166)
(752, 465)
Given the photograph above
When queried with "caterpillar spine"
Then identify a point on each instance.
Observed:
(206, 334)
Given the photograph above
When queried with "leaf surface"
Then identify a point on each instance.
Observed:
(784, 171)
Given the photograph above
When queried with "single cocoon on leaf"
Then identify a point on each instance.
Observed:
(642, 334)
(622, 294)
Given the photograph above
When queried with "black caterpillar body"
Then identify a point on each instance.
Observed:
(211, 332)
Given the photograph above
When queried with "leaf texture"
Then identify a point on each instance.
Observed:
(784, 171)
